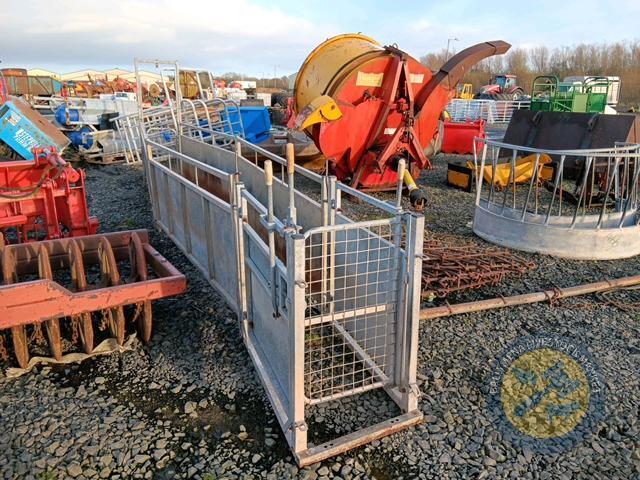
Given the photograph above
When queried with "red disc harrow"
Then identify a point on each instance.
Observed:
(74, 285)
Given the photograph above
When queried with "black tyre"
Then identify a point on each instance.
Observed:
(280, 98)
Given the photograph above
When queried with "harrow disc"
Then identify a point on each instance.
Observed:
(110, 277)
(79, 280)
(52, 325)
(143, 313)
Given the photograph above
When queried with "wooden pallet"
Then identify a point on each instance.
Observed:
(104, 158)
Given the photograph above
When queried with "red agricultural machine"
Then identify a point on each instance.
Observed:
(43, 199)
(367, 106)
(55, 271)
(501, 87)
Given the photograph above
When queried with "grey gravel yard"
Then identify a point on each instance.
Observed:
(189, 404)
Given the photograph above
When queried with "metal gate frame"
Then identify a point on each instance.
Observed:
(263, 262)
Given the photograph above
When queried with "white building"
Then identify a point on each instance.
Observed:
(41, 72)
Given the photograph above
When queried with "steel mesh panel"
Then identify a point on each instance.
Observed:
(350, 321)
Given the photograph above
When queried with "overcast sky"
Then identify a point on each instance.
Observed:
(254, 36)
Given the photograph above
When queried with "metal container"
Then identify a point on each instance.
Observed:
(24, 129)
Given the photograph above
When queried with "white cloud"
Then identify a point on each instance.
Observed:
(242, 36)
(236, 35)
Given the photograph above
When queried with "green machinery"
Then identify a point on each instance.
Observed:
(591, 95)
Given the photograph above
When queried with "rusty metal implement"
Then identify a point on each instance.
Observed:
(71, 284)
(447, 269)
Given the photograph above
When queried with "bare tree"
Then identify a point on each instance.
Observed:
(611, 59)
(539, 57)
(433, 61)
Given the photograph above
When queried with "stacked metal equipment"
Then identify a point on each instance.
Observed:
(43, 199)
(45, 229)
(327, 307)
(216, 114)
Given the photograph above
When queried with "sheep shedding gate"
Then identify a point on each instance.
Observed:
(328, 307)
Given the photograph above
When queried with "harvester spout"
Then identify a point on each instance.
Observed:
(457, 66)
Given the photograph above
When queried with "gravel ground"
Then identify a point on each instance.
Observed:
(189, 404)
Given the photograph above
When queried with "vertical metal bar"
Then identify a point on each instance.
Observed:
(239, 211)
(136, 70)
(513, 166)
(624, 187)
(635, 183)
(208, 116)
(632, 193)
(135, 147)
(583, 189)
(536, 197)
(268, 180)
(334, 206)
(512, 175)
(561, 193)
(206, 212)
(297, 432)
(555, 188)
(411, 315)
(291, 165)
(178, 91)
(494, 167)
(152, 186)
(397, 285)
(195, 119)
(325, 205)
(606, 195)
(175, 114)
(617, 184)
(533, 179)
(238, 154)
(480, 174)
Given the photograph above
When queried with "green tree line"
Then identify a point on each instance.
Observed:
(607, 59)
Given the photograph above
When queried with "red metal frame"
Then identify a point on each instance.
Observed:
(458, 137)
(40, 300)
(43, 199)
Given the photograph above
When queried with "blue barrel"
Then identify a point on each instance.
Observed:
(61, 115)
(76, 138)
